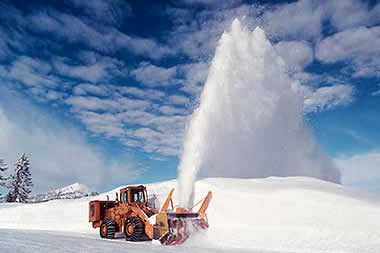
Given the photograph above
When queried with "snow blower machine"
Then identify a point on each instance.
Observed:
(138, 221)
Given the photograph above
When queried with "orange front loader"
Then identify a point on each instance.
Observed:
(133, 216)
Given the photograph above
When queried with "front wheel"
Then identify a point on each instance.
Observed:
(134, 229)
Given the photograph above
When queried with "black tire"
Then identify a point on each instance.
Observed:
(108, 228)
(137, 233)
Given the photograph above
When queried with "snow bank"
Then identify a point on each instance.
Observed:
(294, 214)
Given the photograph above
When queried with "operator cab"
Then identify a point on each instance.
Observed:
(133, 195)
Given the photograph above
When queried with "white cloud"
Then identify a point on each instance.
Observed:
(118, 104)
(351, 13)
(171, 110)
(141, 46)
(195, 35)
(112, 116)
(98, 32)
(178, 100)
(106, 124)
(51, 81)
(141, 93)
(154, 76)
(165, 142)
(102, 38)
(34, 77)
(358, 137)
(88, 57)
(303, 19)
(32, 72)
(325, 98)
(361, 170)
(55, 95)
(299, 20)
(90, 89)
(376, 93)
(296, 54)
(4, 49)
(44, 95)
(59, 153)
(105, 11)
(99, 71)
(167, 136)
(225, 3)
(348, 44)
(103, 90)
(360, 45)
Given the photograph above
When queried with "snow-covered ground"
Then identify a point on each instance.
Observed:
(294, 214)
(31, 241)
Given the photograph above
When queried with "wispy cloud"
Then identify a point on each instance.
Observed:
(178, 100)
(154, 76)
(32, 72)
(171, 110)
(95, 83)
(298, 20)
(358, 137)
(376, 93)
(51, 146)
(294, 24)
(73, 30)
(325, 98)
(117, 104)
(126, 113)
(360, 45)
(303, 20)
(109, 12)
(100, 71)
(226, 3)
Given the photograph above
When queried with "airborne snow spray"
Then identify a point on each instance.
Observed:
(250, 119)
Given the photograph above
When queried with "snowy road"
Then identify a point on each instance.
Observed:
(34, 241)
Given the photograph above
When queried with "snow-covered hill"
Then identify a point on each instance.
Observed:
(74, 191)
(294, 214)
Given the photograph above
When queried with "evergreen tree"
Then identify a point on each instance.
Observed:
(3, 179)
(20, 185)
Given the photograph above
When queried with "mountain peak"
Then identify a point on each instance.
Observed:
(73, 191)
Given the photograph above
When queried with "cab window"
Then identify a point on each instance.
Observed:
(138, 196)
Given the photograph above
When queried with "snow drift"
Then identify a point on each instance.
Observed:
(294, 214)
(249, 123)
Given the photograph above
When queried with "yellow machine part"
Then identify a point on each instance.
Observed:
(162, 227)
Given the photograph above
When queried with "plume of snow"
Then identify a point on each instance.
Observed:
(250, 119)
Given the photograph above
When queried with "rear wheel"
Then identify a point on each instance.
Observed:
(134, 229)
(107, 229)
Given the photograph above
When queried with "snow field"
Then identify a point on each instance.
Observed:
(294, 214)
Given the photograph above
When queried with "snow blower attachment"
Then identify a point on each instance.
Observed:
(175, 227)
(139, 222)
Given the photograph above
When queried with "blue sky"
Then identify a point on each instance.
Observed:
(100, 91)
